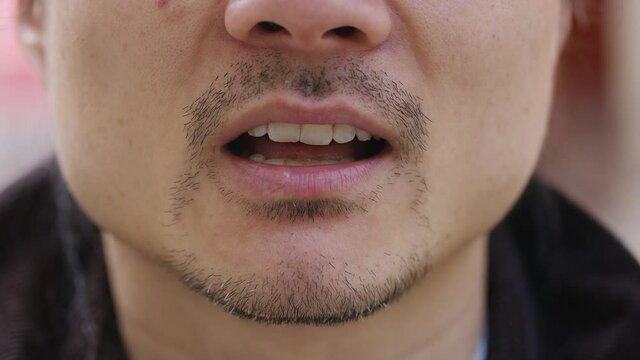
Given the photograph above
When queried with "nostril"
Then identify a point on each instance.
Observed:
(344, 31)
(308, 25)
(270, 26)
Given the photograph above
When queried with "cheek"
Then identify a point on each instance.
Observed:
(113, 79)
(489, 95)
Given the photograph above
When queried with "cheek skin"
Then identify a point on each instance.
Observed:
(119, 86)
(120, 82)
(491, 91)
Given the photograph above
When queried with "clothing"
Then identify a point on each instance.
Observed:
(559, 285)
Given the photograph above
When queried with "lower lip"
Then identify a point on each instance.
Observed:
(301, 181)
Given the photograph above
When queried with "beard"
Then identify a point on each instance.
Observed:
(320, 290)
(301, 293)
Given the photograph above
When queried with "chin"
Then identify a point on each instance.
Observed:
(317, 272)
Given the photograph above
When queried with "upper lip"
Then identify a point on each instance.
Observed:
(282, 110)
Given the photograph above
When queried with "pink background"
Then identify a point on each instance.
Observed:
(25, 124)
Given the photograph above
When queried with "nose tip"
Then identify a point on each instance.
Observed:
(309, 25)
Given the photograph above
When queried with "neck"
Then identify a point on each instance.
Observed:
(442, 317)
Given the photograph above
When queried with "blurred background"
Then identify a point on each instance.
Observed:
(25, 124)
(592, 153)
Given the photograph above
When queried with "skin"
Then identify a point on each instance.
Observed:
(120, 75)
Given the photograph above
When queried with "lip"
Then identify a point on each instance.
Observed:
(300, 111)
(306, 182)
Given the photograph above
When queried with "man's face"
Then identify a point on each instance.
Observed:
(156, 103)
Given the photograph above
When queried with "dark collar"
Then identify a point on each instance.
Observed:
(560, 285)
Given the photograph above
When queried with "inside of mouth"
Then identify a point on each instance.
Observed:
(262, 149)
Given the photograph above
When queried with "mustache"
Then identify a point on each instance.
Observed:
(248, 80)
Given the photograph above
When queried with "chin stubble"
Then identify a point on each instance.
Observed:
(311, 293)
(299, 296)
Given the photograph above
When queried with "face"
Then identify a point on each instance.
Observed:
(300, 161)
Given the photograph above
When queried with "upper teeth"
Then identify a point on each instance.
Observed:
(311, 134)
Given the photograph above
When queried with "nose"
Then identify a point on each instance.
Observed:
(309, 25)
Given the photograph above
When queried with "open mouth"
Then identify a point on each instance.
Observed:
(291, 149)
(306, 145)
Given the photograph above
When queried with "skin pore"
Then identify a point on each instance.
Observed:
(145, 94)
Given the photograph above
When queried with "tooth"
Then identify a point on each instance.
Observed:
(291, 162)
(337, 161)
(281, 132)
(259, 131)
(257, 157)
(274, 161)
(342, 134)
(363, 135)
(316, 134)
(309, 162)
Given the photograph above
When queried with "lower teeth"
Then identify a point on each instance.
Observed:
(298, 162)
